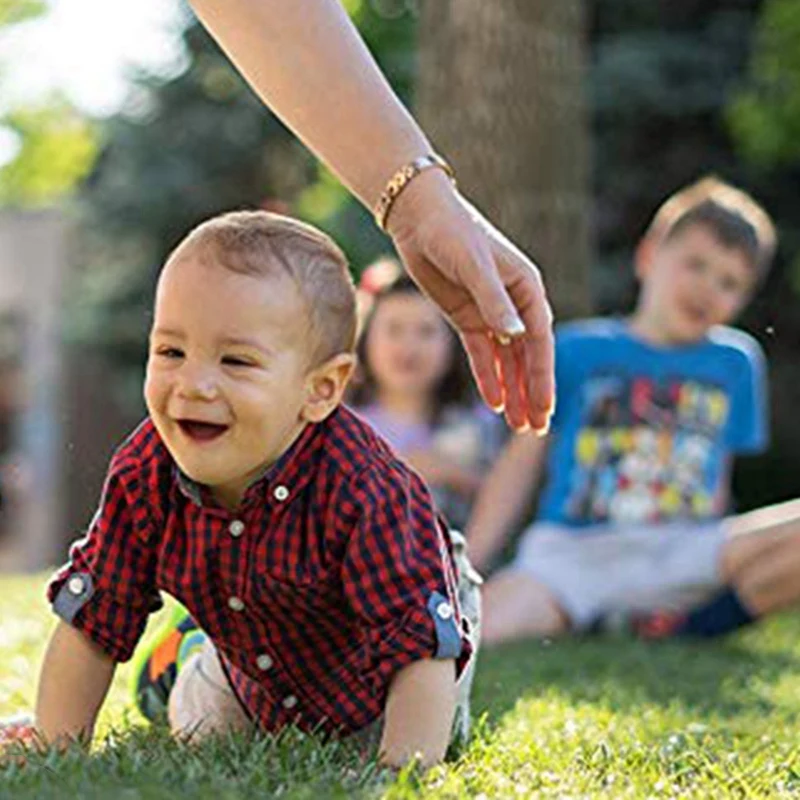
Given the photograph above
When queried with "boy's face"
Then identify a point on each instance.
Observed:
(226, 373)
(691, 282)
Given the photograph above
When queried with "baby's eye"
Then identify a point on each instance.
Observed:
(237, 361)
(169, 352)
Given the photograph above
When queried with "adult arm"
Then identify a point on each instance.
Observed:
(419, 713)
(306, 61)
(503, 495)
(73, 684)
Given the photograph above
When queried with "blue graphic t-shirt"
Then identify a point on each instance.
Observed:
(644, 434)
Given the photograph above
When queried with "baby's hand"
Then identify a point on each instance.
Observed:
(17, 734)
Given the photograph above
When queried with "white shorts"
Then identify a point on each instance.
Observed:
(601, 572)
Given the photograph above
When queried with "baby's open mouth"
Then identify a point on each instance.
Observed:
(201, 431)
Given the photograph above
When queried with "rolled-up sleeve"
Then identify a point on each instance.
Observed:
(107, 588)
(399, 576)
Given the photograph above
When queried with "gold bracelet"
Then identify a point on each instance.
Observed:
(402, 178)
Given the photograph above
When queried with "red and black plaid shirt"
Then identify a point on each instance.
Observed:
(332, 574)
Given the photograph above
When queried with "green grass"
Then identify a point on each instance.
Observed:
(598, 718)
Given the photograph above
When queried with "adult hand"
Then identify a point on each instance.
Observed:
(488, 289)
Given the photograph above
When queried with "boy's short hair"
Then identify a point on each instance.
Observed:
(734, 217)
(256, 242)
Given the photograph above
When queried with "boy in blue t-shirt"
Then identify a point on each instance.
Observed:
(651, 410)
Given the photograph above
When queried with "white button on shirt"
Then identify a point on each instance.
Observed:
(236, 528)
(444, 610)
(235, 604)
(264, 662)
(290, 701)
(75, 585)
(280, 493)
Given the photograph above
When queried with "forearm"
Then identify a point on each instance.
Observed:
(73, 683)
(439, 471)
(306, 61)
(419, 713)
(503, 496)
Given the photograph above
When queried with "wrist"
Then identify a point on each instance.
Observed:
(427, 192)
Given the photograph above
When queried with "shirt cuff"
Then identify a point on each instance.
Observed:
(114, 628)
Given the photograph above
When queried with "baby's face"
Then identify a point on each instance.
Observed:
(226, 371)
(694, 281)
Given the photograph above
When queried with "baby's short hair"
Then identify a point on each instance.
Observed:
(734, 217)
(258, 242)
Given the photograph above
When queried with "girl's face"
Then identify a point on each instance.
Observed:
(409, 345)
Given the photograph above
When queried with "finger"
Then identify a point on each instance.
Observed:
(484, 366)
(490, 295)
(511, 360)
(528, 292)
(539, 364)
(540, 385)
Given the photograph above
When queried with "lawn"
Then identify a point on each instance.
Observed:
(597, 718)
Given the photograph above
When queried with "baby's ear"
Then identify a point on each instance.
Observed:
(325, 386)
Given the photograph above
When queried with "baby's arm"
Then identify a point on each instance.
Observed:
(419, 713)
(73, 683)
(503, 495)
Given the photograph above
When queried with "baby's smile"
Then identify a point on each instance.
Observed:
(200, 430)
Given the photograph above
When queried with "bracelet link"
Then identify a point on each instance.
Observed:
(398, 182)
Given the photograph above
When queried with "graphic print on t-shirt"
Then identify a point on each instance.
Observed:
(644, 451)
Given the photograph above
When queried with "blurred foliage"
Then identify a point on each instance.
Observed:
(57, 148)
(55, 144)
(765, 115)
(13, 11)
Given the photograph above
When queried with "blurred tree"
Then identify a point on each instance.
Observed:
(56, 149)
(500, 91)
(12, 11)
(54, 144)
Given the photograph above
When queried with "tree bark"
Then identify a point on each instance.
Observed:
(501, 93)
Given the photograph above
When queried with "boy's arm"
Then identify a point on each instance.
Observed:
(73, 683)
(502, 496)
(419, 713)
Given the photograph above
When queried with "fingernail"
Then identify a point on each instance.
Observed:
(524, 428)
(512, 325)
(542, 432)
(498, 409)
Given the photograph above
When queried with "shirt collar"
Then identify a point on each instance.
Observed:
(279, 482)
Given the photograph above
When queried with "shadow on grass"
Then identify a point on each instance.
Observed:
(622, 674)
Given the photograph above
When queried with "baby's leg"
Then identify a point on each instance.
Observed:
(202, 701)
(517, 606)
(761, 557)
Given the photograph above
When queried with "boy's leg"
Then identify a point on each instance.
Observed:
(759, 573)
(517, 606)
(761, 558)
(202, 701)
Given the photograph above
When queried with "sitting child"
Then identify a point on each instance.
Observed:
(631, 527)
(311, 558)
(414, 387)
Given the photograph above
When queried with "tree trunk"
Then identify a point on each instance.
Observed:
(501, 94)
